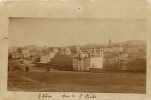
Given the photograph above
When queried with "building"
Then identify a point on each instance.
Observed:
(26, 53)
(55, 50)
(16, 53)
(123, 61)
(67, 51)
(47, 57)
(44, 59)
(85, 60)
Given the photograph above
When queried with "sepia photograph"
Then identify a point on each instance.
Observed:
(98, 55)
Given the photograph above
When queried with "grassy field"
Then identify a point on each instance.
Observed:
(60, 81)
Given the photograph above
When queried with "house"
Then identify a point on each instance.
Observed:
(67, 51)
(123, 61)
(47, 57)
(44, 59)
(26, 53)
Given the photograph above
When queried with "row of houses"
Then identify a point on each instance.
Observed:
(83, 59)
(43, 55)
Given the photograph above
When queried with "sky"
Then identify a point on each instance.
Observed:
(74, 31)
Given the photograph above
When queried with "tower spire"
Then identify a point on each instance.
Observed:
(109, 40)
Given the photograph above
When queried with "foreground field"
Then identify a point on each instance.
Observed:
(59, 81)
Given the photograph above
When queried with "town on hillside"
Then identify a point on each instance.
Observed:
(121, 56)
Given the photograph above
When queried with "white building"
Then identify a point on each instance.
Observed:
(87, 59)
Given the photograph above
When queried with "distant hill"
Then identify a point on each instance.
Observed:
(133, 43)
(125, 43)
